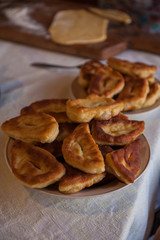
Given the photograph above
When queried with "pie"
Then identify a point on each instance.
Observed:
(33, 166)
(116, 131)
(138, 69)
(80, 151)
(75, 180)
(106, 82)
(87, 71)
(134, 93)
(125, 162)
(93, 106)
(32, 128)
(153, 95)
(53, 107)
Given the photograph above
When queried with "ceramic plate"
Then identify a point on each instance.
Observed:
(95, 190)
(79, 92)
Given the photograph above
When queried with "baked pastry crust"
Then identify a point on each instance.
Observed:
(138, 69)
(32, 128)
(80, 151)
(125, 163)
(116, 131)
(87, 71)
(134, 93)
(75, 180)
(106, 82)
(153, 95)
(93, 106)
(53, 107)
(33, 166)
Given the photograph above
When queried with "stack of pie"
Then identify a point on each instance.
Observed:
(131, 82)
(74, 144)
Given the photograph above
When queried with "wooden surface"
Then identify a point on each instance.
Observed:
(120, 36)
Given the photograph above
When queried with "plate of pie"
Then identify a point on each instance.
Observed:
(133, 83)
(79, 92)
(107, 185)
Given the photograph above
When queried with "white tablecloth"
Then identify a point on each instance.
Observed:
(30, 214)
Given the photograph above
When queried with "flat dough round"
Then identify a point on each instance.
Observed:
(112, 14)
(71, 27)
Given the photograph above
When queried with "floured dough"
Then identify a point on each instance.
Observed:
(113, 14)
(78, 27)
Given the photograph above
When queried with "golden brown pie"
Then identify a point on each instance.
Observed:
(32, 128)
(116, 131)
(33, 166)
(106, 82)
(138, 69)
(153, 95)
(80, 151)
(87, 71)
(93, 106)
(75, 180)
(125, 163)
(134, 93)
(53, 107)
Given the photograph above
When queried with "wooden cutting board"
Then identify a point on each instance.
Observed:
(39, 15)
